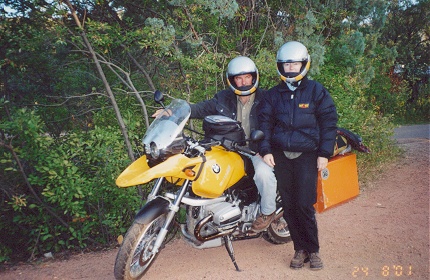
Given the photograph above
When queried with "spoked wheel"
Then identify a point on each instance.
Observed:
(278, 232)
(136, 252)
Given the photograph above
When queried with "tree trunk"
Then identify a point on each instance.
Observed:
(105, 83)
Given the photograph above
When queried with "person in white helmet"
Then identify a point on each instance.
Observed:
(241, 101)
(299, 120)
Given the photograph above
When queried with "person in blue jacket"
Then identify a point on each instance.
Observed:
(299, 120)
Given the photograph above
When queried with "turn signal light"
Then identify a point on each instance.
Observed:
(189, 172)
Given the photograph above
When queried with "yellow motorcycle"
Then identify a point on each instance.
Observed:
(202, 185)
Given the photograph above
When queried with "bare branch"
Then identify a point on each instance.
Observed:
(88, 45)
(129, 84)
(68, 98)
(193, 30)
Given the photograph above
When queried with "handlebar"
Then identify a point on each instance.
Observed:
(201, 147)
(232, 145)
(245, 150)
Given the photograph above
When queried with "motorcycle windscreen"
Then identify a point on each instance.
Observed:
(167, 125)
(221, 170)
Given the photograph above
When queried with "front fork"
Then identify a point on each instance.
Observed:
(155, 189)
(173, 209)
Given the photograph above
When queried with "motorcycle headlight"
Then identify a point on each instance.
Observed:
(154, 151)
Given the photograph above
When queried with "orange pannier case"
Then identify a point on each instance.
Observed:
(338, 183)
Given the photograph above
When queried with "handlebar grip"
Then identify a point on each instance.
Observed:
(245, 150)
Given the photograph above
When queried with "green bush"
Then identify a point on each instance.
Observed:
(352, 85)
(74, 202)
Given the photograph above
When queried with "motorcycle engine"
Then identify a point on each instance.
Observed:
(225, 213)
(211, 221)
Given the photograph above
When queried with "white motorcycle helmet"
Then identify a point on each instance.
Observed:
(293, 52)
(239, 66)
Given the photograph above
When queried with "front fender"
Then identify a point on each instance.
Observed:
(129, 177)
(139, 172)
(151, 210)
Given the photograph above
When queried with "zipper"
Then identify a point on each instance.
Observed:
(291, 115)
(292, 108)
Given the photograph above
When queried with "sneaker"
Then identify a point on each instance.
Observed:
(262, 222)
(316, 262)
(300, 257)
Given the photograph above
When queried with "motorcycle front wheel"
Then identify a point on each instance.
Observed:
(135, 254)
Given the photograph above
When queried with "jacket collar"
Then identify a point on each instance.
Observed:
(284, 88)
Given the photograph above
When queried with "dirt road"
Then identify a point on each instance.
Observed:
(382, 234)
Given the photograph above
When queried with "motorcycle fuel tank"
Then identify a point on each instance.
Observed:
(220, 171)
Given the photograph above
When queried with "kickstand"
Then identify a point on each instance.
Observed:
(229, 246)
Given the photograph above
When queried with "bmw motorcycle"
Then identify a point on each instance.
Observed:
(203, 186)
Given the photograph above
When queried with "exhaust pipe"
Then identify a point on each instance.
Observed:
(220, 233)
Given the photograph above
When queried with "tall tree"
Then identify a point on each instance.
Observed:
(408, 30)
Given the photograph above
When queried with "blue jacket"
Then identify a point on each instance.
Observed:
(303, 120)
(225, 103)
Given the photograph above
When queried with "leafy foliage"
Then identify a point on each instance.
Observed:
(74, 176)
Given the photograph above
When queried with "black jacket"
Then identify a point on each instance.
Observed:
(225, 103)
(303, 120)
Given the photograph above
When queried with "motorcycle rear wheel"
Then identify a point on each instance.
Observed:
(135, 254)
(278, 232)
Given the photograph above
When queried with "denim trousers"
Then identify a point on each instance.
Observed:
(265, 180)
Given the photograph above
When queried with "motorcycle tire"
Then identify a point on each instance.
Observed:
(135, 256)
(278, 232)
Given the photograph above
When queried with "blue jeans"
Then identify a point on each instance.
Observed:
(265, 179)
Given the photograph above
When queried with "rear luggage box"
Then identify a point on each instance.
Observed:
(338, 183)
